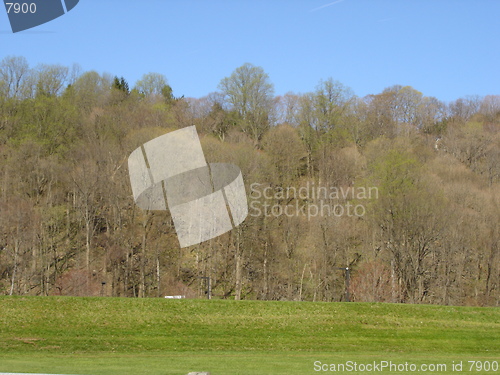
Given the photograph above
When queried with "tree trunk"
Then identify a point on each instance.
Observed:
(142, 285)
(238, 275)
(266, 277)
(88, 236)
(14, 271)
(158, 274)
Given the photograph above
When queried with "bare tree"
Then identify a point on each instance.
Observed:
(249, 92)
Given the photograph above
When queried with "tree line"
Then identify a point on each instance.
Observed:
(69, 225)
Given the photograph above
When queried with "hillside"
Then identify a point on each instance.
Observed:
(400, 187)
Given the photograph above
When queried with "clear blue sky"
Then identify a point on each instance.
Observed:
(443, 48)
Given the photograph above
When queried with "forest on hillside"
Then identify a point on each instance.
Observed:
(420, 222)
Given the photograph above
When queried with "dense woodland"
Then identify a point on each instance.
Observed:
(69, 225)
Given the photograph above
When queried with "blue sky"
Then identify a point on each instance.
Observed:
(443, 48)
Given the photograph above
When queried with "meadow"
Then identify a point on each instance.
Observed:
(71, 335)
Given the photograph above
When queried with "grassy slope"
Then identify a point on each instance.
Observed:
(157, 336)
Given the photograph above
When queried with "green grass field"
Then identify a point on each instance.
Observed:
(157, 336)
